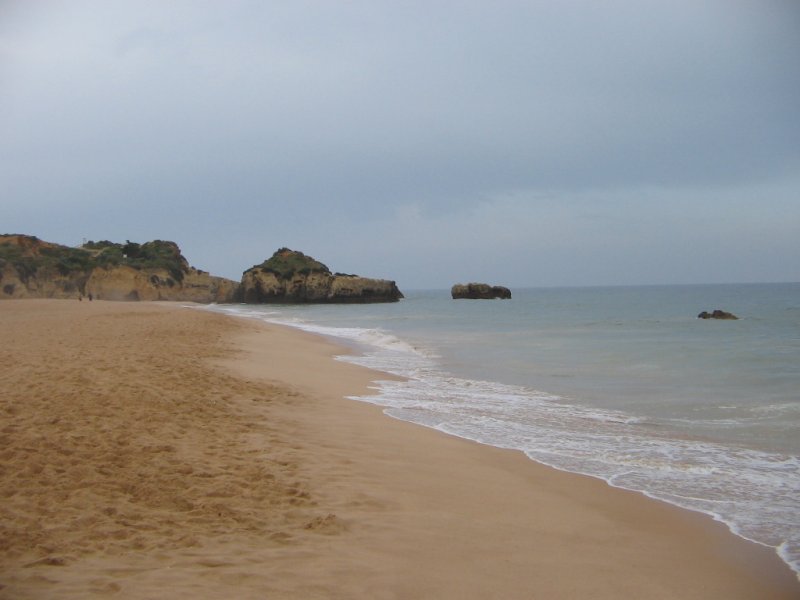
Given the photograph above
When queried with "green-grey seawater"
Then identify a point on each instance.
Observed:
(622, 383)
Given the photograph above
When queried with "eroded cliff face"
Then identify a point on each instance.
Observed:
(351, 288)
(31, 268)
(46, 284)
(199, 286)
(126, 283)
(26, 272)
(292, 277)
(259, 287)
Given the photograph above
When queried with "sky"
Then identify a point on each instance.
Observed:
(538, 143)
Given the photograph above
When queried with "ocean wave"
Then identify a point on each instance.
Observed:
(754, 492)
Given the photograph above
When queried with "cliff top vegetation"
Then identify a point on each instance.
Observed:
(28, 254)
(286, 263)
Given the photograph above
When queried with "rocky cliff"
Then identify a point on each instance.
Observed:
(292, 277)
(32, 268)
(479, 291)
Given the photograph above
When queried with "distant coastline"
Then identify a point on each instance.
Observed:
(32, 268)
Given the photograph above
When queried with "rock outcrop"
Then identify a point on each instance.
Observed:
(717, 314)
(292, 277)
(32, 268)
(127, 283)
(479, 291)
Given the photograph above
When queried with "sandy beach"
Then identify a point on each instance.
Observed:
(149, 450)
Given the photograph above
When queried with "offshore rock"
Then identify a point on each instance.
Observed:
(479, 291)
(291, 277)
(718, 314)
(32, 268)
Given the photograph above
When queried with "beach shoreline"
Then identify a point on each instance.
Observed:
(149, 447)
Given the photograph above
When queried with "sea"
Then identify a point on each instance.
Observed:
(624, 384)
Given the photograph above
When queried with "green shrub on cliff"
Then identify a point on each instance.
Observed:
(285, 263)
(66, 260)
(90, 245)
(29, 255)
(157, 254)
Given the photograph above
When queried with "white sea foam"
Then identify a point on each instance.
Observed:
(777, 410)
(755, 493)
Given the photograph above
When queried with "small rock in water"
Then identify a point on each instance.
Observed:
(717, 314)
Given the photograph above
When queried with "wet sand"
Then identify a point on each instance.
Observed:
(154, 451)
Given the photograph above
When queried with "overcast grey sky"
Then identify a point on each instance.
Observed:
(537, 143)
